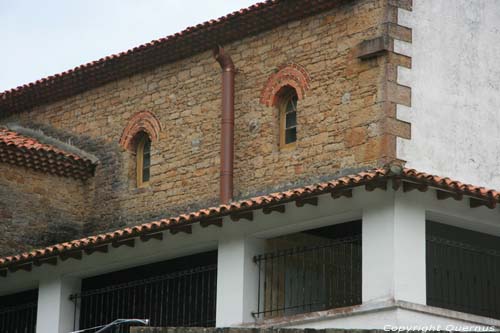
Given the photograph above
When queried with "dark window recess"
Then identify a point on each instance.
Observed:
(18, 312)
(178, 292)
(291, 120)
(463, 270)
(321, 275)
(146, 161)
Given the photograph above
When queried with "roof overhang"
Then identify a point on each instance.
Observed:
(202, 37)
(46, 156)
(393, 176)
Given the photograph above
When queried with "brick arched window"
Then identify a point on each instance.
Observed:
(145, 122)
(290, 75)
(141, 132)
(287, 112)
(143, 159)
(283, 90)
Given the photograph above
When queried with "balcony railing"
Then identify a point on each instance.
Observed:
(307, 279)
(184, 298)
(463, 277)
(18, 319)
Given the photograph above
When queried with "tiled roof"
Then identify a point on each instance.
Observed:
(402, 178)
(28, 152)
(240, 24)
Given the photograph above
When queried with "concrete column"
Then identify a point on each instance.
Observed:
(55, 310)
(393, 236)
(378, 251)
(237, 280)
(409, 249)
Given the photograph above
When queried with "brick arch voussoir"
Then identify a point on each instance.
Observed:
(144, 121)
(292, 75)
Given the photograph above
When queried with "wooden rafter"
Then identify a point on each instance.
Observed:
(270, 209)
(313, 201)
(187, 229)
(474, 203)
(72, 254)
(442, 195)
(50, 261)
(156, 235)
(23, 267)
(407, 187)
(130, 242)
(382, 185)
(206, 223)
(244, 215)
(343, 193)
(102, 249)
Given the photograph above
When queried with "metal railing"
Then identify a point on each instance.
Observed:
(18, 319)
(463, 277)
(307, 279)
(184, 298)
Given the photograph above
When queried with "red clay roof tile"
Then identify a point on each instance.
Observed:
(29, 152)
(237, 25)
(488, 196)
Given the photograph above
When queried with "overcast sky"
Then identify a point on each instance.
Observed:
(41, 38)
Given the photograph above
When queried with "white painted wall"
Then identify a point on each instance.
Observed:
(237, 280)
(393, 258)
(55, 313)
(455, 82)
(397, 317)
(394, 250)
(378, 251)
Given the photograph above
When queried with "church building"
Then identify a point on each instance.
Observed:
(299, 164)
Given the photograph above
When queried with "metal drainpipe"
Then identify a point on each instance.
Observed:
(227, 124)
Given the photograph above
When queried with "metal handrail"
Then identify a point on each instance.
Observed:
(300, 250)
(136, 283)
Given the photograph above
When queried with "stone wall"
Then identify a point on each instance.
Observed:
(37, 209)
(343, 119)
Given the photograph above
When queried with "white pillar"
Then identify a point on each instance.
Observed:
(55, 312)
(377, 235)
(237, 280)
(409, 249)
(393, 238)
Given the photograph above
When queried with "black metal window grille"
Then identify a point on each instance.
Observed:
(463, 277)
(184, 298)
(18, 318)
(307, 279)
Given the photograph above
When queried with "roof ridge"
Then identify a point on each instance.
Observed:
(189, 28)
(30, 152)
(40, 136)
(192, 40)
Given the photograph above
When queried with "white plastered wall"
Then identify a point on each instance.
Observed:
(455, 85)
(393, 259)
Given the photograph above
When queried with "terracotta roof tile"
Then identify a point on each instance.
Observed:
(29, 152)
(488, 196)
(237, 25)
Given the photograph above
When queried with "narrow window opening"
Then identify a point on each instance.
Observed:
(143, 155)
(288, 117)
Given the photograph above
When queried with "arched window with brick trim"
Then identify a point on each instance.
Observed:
(141, 131)
(283, 90)
(143, 159)
(287, 108)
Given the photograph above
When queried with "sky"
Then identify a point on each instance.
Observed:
(42, 38)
